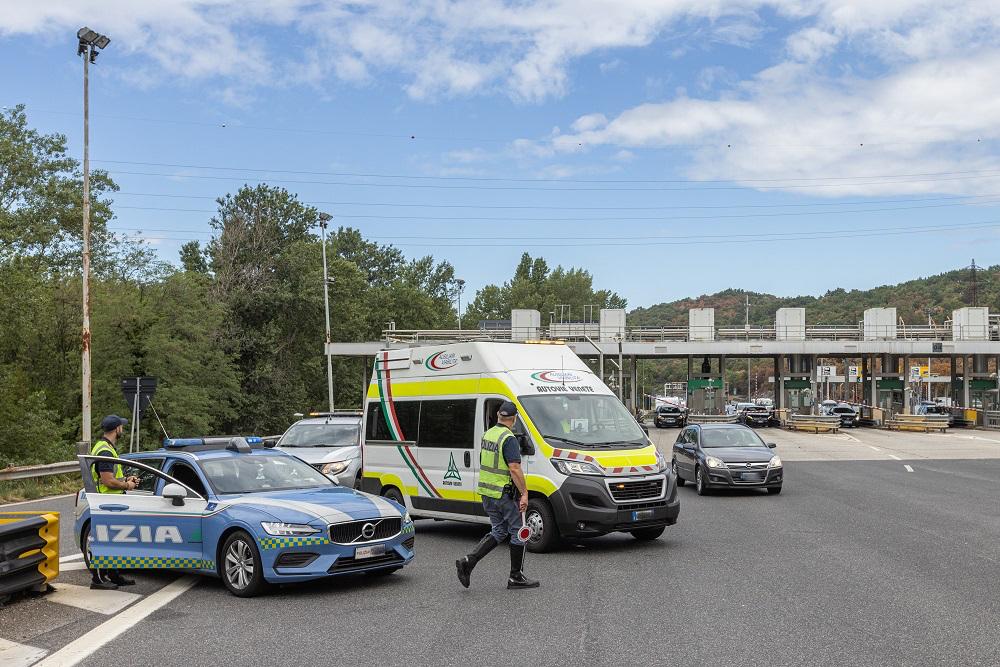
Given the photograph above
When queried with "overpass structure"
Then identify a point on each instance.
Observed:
(881, 346)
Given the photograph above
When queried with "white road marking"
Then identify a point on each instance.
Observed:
(84, 646)
(82, 597)
(893, 456)
(40, 500)
(850, 437)
(66, 559)
(877, 449)
(13, 654)
(908, 468)
(73, 565)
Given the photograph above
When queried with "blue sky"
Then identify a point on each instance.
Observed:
(672, 148)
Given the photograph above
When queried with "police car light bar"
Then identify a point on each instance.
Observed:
(183, 442)
(177, 443)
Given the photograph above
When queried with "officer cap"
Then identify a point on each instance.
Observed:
(508, 409)
(111, 422)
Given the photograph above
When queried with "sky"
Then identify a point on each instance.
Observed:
(672, 148)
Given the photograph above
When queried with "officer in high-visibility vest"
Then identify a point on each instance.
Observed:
(109, 478)
(505, 497)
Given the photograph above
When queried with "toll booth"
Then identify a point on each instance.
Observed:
(706, 386)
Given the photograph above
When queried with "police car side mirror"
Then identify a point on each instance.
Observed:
(175, 492)
(527, 447)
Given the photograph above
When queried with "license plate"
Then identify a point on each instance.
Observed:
(752, 477)
(369, 552)
(641, 515)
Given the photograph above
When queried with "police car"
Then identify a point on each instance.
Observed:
(233, 508)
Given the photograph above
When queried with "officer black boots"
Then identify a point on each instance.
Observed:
(517, 578)
(465, 565)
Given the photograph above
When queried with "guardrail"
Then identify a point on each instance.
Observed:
(581, 331)
(711, 419)
(29, 551)
(991, 419)
(29, 472)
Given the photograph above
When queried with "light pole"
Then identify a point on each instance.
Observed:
(324, 218)
(461, 287)
(89, 45)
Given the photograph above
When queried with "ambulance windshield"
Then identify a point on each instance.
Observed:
(584, 421)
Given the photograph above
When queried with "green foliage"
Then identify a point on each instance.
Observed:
(536, 287)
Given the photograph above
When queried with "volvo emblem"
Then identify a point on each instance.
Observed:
(368, 531)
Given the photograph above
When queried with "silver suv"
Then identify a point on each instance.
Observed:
(329, 442)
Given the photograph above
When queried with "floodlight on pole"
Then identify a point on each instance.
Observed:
(90, 42)
(325, 218)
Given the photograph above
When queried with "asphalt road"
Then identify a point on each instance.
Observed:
(857, 562)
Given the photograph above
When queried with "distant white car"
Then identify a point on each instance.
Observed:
(329, 442)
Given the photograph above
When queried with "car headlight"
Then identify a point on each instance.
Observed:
(406, 518)
(334, 467)
(281, 528)
(713, 462)
(661, 463)
(775, 462)
(576, 467)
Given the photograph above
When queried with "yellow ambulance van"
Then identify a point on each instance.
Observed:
(590, 467)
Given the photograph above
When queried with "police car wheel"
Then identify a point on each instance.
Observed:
(85, 545)
(544, 533)
(240, 566)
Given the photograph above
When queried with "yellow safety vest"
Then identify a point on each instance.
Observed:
(494, 474)
(105, 448)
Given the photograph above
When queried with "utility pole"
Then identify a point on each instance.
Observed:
(749, 398)
(90, 43)
(461, 287)
(324, 218)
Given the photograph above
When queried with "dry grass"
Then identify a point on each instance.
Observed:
(41, 487)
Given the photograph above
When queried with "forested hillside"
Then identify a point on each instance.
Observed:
(914, 300)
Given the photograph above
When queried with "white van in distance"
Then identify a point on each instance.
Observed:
(590, 468)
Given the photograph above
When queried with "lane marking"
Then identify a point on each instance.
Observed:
(89, 643)
(40, 500)
(877, 449)
(82, 597)
(13, 654)
(893, 456)
(908, 468)
(66, 559)
(74, 565)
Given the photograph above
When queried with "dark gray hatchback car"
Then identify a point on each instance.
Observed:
(725, 455)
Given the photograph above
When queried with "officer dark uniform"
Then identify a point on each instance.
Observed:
(502, 486)
(109, 478)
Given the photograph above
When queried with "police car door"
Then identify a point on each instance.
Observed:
(143, 528)
(446, 452)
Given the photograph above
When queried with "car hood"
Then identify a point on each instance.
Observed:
(332, 504)
(739, 454)
(324, 454)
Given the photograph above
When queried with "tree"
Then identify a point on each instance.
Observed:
(192, 258)
(536, 287)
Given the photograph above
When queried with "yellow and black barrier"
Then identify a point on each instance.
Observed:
(29, 551)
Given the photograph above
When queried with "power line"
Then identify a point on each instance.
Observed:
(970, 174)
(778, 214)
(587, 208)
(699, 239)
(435, 186)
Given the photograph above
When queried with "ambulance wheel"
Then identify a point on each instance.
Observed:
(240, 567)
(647, 534)
(392, 493)
(541, 520)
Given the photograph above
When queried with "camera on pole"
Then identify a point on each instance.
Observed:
(138, 393)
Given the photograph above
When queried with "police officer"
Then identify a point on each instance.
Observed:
(109, 478)
(505, 497)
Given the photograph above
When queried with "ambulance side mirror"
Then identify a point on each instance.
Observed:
(527, 447)
(175, 492)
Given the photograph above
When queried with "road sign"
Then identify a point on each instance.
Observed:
(919, 372)
(144, 387)
(825, 371)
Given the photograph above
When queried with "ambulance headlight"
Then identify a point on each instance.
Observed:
(576, 467)
(281, 528)
(661, 463)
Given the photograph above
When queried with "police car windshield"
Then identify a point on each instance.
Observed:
(321, 435)
(588, 421)
(251, 474)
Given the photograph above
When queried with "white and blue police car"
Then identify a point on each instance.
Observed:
(234, 508)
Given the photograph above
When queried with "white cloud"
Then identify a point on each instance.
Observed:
(870, 89)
